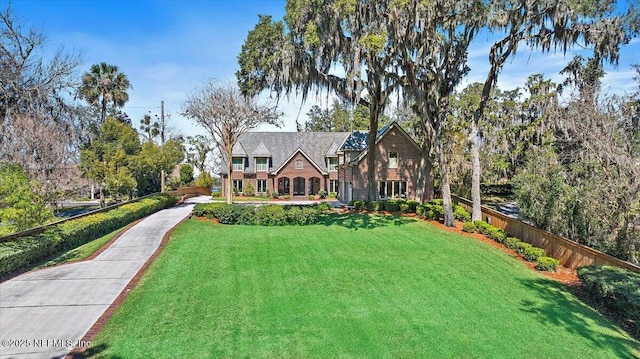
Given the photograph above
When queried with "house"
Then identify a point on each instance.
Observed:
(300, 164)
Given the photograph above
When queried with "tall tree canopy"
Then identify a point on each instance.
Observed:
(104, 84)
(38, 121)
(351, 35)
(226, 114)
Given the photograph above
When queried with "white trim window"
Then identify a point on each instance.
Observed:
(392, 189)
(262, 164)
(299, 165)
(237, 186)
(334, 185)
(237, 164)
(332, 164)
(262, 186)
(393, 159)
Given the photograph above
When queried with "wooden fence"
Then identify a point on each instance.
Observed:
(571, 254)
(191, 191)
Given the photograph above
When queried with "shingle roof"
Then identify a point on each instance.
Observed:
(261, 151)
(281, 145)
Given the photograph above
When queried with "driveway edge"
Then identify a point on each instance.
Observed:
(95, 329)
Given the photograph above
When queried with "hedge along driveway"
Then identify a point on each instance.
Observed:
(62, 303)
(357, 286)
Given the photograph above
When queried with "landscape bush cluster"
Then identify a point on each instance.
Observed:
(614, 288)
(389, 205)
(526, 250)
(269, 215)
(20, 252)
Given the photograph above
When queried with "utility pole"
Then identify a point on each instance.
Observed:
(162, 173)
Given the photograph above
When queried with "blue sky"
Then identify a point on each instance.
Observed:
(167, 48)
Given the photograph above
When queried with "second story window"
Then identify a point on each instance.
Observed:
(299, 165)
(393, 159)
(333, 164)
(261, 164)
(238, 164)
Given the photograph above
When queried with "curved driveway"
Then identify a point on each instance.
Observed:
(45, 313)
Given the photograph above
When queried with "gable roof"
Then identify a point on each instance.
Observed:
(381, 133)
(281, 145)
(299, 150)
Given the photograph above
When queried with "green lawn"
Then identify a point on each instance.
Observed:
(358, 287)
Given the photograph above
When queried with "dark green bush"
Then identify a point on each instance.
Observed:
(404, 208)
(532, 254)
(18, 253)
(358, 205)
(413, 206)
(392, 205)
(375, 206)
(547, 264)
(614, 288)
(468, 227)
(430, 210)
(511, 242)
(271, 215)
(461, 214)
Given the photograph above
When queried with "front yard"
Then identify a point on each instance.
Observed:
(357, 286)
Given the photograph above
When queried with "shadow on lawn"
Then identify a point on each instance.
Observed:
(94, 351)
(559, 308)
(357, 221)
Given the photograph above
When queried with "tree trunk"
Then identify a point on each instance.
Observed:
(424, 190)
(103, 114)
(476, 213)
(371, 154)
(445, 187)
(230, 180)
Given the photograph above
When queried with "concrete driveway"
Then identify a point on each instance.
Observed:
(45, 313)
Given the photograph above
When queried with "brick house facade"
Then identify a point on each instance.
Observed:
(300, 164)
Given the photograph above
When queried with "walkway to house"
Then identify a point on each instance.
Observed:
(45, 313)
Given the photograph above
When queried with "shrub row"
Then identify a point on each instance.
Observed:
(269, 215)
(614, 288)
(526, 250)
(435, 210)
(390, 205)
(17, 254)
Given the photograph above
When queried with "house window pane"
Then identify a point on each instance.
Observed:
(262, 186)
(403, 189)
(333, 186)
(261, 164)
(238, 164)
(237, 186)
(299, 165)
(382, 189)
(333, 164)
(393, 159)
(396, 189)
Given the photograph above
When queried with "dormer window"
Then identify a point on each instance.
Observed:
(393, 159)
(238, 164)
(332, 164)
(262, 163)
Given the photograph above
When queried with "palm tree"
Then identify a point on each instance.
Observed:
(105, 83)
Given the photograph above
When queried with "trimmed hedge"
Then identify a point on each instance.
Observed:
(614, 288)
(468, 227)
(547, 264)
(19, 253)
(269, 215)
(533, 254)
